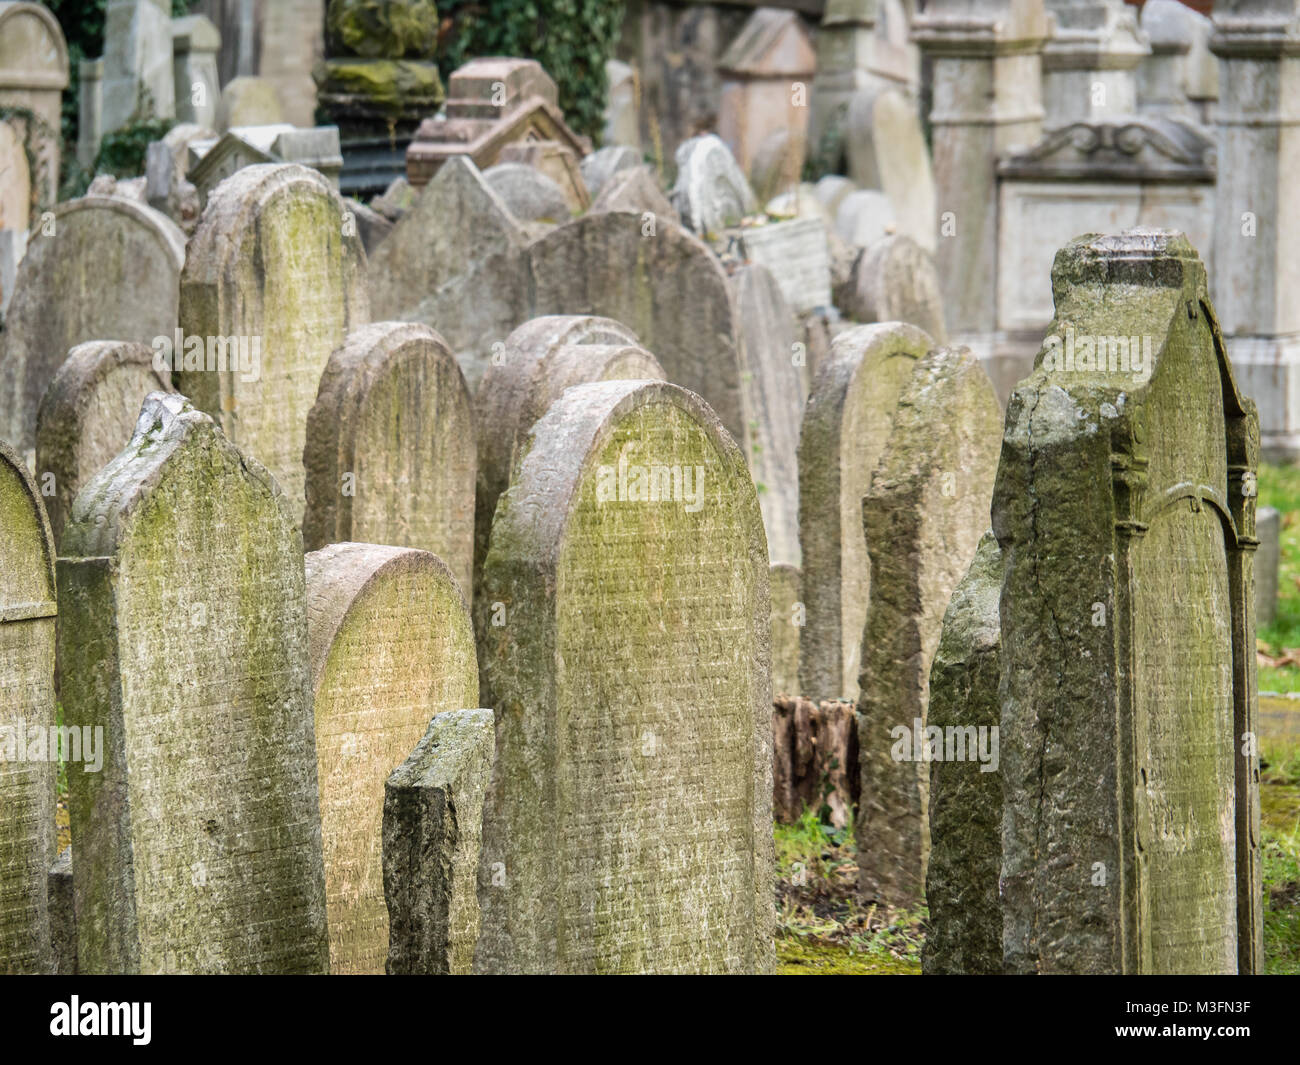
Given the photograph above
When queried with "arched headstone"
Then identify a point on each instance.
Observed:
(628, 828)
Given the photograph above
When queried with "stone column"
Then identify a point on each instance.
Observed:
(1090, 62)
(1172, 28)
(195, 44)
(1256, 222)
(987, 99)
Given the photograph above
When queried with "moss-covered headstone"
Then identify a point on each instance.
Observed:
(273, 283)
(96, 268)
(961, 885)
(922, 518)
(661, 282)
(846, 426)
(391, 646)
(183, 636)
(1125, 511)
(27, 768)
(87, 416)
(541, 359)
(629, 824)
(390, 451)
(433, 835)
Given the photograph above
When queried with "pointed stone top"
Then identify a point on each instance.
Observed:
(772, 43)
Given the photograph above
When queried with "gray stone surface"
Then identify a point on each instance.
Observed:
(454, 261)
(63, 916)
(27, 704)
(391, 646)
(183, 620)
(887, 151)
(846, 427)
(634, 189)
(662, 283)
(922, 518)
(104, 268)
(797, 253)
(598, 167)
(1268, 525)
(529, 194)
(272, 266)
(390, 452)
(432, 838)
(961, 885)
(712, 192)
(787, 624)
(894, 280)
(1125, 510)
(88, 416)
(618, 836)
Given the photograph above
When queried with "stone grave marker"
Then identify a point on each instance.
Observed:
(100, 267)
(894, 280)
(88, 416)
(923, 514)
(637, 840)
(432, 837)
(846, 426)
(712, 192)
(27, 716)
(391, 646)
(183, 636)
(390, 453)
(1126, 517)
(273, 283)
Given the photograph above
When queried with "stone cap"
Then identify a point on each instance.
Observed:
(981, 27)
(851, 13)
(1256, 28)
(771, 44)
(1171, 26)
(195, 33)
(472, 87)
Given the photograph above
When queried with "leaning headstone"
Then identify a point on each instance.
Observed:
(775, 394)
(88, 416)
(598, 167)
(631, 841)
(27, 714)
(390, 452)
(182, 620)
(634, 190)
(138, 80)
(659, 281)
(391, 646)
(787, 623)
(432, 839)
(454, 262)
(529, 194)
(1125, 510)
(103, 267)
(1268, 525)
(887, 151)
(922, 516)
(712, 192)
(541, 359)
(894, 280)
(961, 885)
(846, 426)
(273, 283)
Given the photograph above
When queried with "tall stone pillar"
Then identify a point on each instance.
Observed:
(1257, 220)
(987, 100)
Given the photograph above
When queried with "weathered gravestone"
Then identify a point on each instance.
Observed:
(33, 75)
(63, 915)
(629, 825)
(634, 190)
(183, 635)
(846, 426)
(455, 262)
(774, 393)
(894, 280)
(27, 767)
(1268, 529)
(922, 517)
(100, 267)
(660, 282)
(887, 151)
(787, 623)
(712, 192)
(1125, 511)
(601, 165)
(391, 646)
(88, 415)
(528, 193)
(273, 283)
(390, 451)
(539, 360)
(961, 884)
(433, 835)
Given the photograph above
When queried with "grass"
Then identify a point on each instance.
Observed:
(1279, 797)
(822, 929)
(1279, 487)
